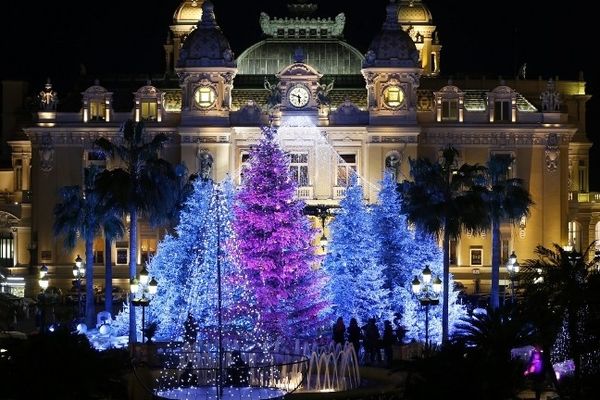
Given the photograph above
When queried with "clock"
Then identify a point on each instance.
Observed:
(393, 96)
(298, 96)
(204, 96)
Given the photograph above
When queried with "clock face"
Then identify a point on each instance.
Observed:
(393, 96)
(204, 96)
(298, 96)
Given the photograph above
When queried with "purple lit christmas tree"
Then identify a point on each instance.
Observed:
(275, 247)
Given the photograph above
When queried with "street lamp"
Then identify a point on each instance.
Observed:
(78, 273)
(145, 285)
(323, 241)
(43, 282)
(428, 294)
(513, 269)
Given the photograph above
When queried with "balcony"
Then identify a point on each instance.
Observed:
(304, 192)
(590, 197)
(339, 192)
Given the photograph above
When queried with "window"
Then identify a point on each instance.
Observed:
(432, 62)
(346, 166)
(149, 110)
(597, 235)
(302, 33)
(450, 110)
(299, 168)
(575, 235)
(97, 110)
(6, 249)
(291, 32)
(245, 163)
(502, 111)
(313, 33)
(280, 32)
(476, 256)
(148, 248)
(582, 175)
(98, 250)
(122, 252)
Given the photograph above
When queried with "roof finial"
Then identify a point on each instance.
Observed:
(391, 19)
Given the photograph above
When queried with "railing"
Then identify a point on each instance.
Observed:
(196, 373)
(339, 192)
(304, 192)
(589, 197)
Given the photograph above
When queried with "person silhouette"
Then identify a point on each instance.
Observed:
(354, 335)
(237, 372)
(338, 331)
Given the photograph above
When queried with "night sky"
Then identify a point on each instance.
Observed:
(489, 38)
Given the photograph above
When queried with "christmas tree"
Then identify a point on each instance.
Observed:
(357, 284)
(425, 251)
(274, 240)
(186, 268)
(395, 240)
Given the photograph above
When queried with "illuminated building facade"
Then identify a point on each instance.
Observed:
(376, 110)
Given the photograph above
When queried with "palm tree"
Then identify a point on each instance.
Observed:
(443, 200)
(488, 339)
(145, 186)
(85, 213)
(507, 200)
(559, 289)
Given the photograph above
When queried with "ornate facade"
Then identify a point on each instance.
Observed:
(338, 111)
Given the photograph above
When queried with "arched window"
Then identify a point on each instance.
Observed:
(575, 235)
(597, 235)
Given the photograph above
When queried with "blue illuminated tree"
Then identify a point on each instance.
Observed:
(185, 266)
(357, 282)
(395, 240)
(425, 251)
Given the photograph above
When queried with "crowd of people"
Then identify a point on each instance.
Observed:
(373, 342)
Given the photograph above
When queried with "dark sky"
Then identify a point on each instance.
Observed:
(47, 38)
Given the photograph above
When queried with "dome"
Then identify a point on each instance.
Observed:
(392, 47)
(329, 57)
(206, 46)
(189, 12)
(413, 12)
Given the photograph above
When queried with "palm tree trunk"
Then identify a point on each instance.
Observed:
(445, 290)
(495, 297)
(108, 274)
(132, 272)
(90, 307)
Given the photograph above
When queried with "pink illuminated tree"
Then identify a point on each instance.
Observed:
(275, 247)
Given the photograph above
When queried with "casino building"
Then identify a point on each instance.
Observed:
(338, 110)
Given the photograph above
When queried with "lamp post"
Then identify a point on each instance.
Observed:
(145, 285)
(428, 294)
(323, 241)
(78, 273)
(513, 269)
(43, 282)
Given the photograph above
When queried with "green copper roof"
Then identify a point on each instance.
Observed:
(329, 57)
